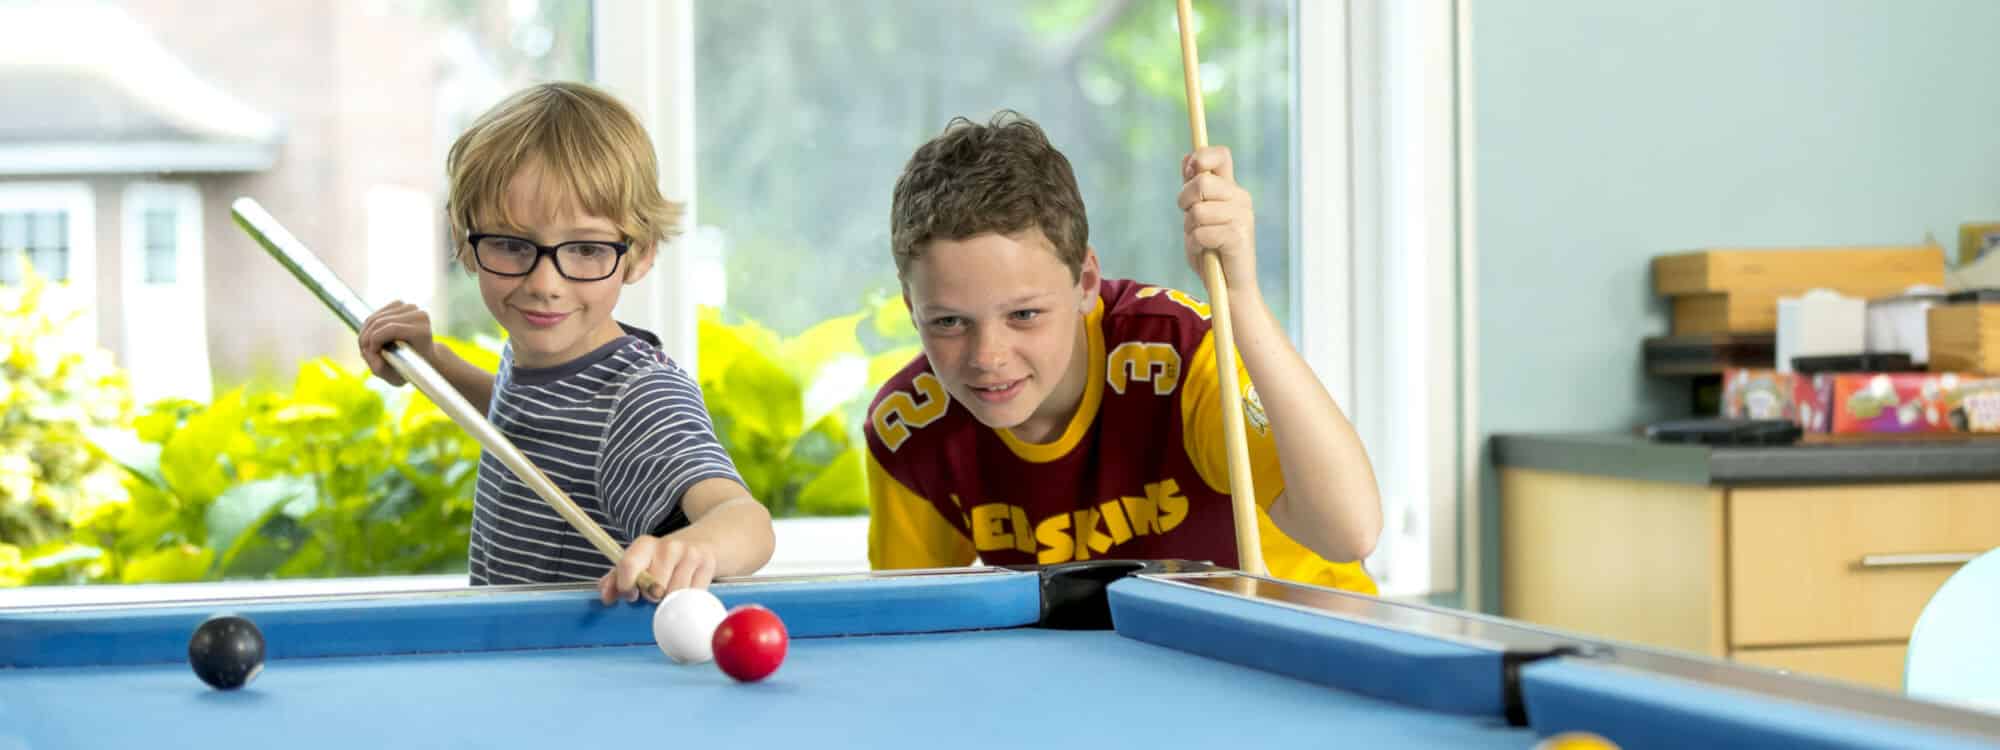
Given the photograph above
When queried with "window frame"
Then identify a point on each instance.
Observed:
(77, 201)
(1412, 335)
(185, 199)
(642, 51)
(1360, 65)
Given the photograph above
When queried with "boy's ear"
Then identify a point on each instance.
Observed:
(1087, 278)
(637, 265)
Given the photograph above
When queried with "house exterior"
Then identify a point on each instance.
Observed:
(127, 130)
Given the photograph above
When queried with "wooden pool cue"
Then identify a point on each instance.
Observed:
(321, 281)
(1242, 491)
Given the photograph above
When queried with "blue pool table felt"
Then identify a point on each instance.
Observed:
(927, 661)
(967, 689)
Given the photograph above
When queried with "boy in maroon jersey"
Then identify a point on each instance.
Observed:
(1056, 415)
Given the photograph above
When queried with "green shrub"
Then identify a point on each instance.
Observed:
(336, 476)
(788, 410)
(56, 389)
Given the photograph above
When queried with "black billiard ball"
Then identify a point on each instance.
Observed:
(227, 651)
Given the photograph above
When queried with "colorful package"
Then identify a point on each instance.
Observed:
(1866, 403)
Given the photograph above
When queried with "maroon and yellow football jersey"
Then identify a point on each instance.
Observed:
(1141, 472)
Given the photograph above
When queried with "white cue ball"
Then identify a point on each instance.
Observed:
(684, 625)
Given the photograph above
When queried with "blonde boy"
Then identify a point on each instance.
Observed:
(555, 206)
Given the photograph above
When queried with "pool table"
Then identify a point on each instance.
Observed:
(1138, 655)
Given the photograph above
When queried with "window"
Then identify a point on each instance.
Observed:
(788, 132)
(492, 49)
(804, 121)
(335, 137)
(49, 226)
(161, 246)
(41, 238)
(787, 155)
(13, 247)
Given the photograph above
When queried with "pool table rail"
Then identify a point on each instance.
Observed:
(499, 618)
(1368, 644)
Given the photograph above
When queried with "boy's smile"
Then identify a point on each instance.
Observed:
(544, 320)
(550, 319)
(998, 393)
(1001, 323)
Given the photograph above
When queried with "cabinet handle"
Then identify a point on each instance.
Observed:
(1917, 560)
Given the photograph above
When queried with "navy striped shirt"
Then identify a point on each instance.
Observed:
(622, 430)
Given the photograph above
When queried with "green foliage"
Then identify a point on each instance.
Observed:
(55, 389)
(789, 410)
(890, 322)
(335, 476)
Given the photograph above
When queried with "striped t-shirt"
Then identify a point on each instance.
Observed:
(622, 430)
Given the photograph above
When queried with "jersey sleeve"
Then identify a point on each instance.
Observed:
(1201, 427)
(659, 443)
(905, 530)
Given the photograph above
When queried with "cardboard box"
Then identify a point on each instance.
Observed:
(1760, 393)
(1974, 405)
(1882, 403)
(1857, 271)
(1722, 312)
(1979, 410)
(1750, 311)
(1964, 337)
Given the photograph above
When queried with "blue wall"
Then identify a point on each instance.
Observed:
(1609, 132)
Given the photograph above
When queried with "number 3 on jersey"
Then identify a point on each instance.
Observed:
(899, 413)
(1142, 361)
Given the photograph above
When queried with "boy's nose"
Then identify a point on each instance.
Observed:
(989, 353)
(544, 280)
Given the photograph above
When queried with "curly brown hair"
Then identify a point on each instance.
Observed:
(1003, 177)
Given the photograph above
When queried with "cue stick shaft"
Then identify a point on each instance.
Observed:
(1242, 491)
(338, 296)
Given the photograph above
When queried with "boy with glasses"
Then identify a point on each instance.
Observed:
(555, 192)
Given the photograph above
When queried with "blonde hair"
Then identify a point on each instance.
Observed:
(591, 150)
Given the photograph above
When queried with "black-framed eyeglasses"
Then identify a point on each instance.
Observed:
(583, 260)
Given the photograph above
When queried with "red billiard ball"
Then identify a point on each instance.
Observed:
(750, 643)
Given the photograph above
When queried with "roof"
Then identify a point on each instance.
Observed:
(90, 91)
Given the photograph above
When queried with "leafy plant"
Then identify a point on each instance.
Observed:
(335, 476)
(789, 410)
(55, 389)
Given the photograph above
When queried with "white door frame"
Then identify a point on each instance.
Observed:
(1397, 201)
(1467, 289)
(1323, 256)
(186, 373)
(644, 55)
